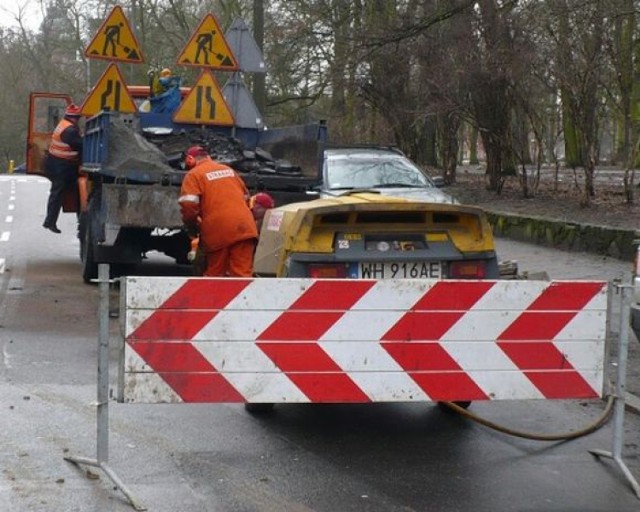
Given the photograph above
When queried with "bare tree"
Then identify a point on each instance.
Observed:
(624, 99)
(577, 29)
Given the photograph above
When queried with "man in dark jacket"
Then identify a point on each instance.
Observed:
(62, 163)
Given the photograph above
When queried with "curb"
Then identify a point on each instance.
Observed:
(569, 236)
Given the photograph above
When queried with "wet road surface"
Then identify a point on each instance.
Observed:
(382, 457)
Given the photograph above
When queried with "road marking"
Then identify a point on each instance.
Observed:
(23, 179)
(9, 219)
(5, 236)
(12, 198)
(6, 356)
(12, 206)
(2, 265)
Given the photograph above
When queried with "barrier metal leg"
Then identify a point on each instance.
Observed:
(621, 381)
(102, 444)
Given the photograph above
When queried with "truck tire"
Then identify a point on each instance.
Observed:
(89, 265)
(257, 409)
(82, 225)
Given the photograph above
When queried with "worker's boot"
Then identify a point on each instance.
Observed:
(51, 227)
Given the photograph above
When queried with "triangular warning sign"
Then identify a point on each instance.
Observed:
(244, 47)
(115, 40)
(204, 104)
(245, 111)
(208, 48)
(109, 93)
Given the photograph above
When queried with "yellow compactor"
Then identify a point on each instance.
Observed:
(369, 236)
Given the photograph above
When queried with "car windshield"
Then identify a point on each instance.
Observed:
(345, 172)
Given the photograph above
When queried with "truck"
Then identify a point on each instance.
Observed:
(133, 164)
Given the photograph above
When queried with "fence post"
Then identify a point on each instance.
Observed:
(102, 440)
(621, 381)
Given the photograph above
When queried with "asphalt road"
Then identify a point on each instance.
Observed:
(383, 457)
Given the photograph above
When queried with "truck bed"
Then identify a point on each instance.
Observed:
(146, 149)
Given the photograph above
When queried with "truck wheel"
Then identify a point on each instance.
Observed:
(257, 409)
(82, 226)
(89, 265)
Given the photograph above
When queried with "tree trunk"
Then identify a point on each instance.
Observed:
(492, 102)
(494, 152)
(623, 60)
(448, 126)
(423, 148)
(473, 146)
(572, 151)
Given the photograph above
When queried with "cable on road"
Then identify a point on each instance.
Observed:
(598, 423)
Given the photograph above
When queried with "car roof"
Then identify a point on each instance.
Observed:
(364, 151)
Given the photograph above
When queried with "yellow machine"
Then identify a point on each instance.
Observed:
(365, 235)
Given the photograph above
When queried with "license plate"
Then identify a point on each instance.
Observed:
(396, 270)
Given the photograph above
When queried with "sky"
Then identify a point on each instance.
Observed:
(9, 10)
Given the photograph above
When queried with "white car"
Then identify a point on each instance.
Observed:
(378, 169)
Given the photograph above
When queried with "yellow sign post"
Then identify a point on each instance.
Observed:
(110, 93)
(204, 104)
(208, 48)
(115, 40)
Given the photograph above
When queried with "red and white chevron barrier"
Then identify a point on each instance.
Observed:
(305, 340)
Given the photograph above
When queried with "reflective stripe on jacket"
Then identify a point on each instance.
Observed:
(57, 147)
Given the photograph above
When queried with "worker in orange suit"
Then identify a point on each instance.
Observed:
(214, 193)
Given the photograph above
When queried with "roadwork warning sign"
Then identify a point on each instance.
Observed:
(115, 40)
(204, 104)
(110, 93)
(208, 48)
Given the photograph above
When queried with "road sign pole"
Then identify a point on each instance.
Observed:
(102, 440)
(259, 80)
(235, 78)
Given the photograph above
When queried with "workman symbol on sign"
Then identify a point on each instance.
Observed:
(204, 42)
(112, 39)
(112, 42)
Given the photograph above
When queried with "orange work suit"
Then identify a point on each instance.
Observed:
(216, 194)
